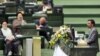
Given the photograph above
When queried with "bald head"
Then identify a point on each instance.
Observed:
(42, 20)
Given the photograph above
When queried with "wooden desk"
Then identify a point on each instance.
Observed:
(90, 51)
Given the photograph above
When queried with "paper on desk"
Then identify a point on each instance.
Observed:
(19, 35)
(78, 35)
(59, 52)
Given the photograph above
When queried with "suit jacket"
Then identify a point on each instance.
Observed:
(93, 38)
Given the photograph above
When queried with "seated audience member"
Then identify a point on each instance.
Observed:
(45, 6)
(11, 42)
(41, 25)
(18, 22)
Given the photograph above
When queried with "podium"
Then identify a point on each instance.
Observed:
(27, 47)
(90, 51)
(2, 1)
(36, 46)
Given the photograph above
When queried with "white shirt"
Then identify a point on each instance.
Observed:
(45, 8)
(7, 33)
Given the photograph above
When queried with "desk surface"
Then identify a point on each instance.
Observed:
(22, 37)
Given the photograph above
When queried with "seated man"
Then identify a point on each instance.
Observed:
(44, 7)
(11, 42)
(42, 26)
(18, 22)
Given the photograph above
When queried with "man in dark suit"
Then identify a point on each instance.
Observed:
(43, 28)
(93, 34)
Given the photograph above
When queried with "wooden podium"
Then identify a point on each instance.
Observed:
(83, 51)
(36, 46)
(2, 1)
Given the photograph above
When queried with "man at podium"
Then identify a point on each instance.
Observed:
(93, 34)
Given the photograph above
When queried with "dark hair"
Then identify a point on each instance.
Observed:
(19, 13)
(92, 21)
(45, 2)
(4, 21)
